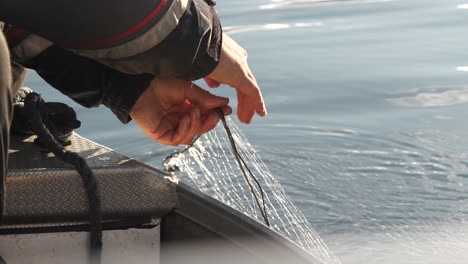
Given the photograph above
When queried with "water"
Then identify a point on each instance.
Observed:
(366, 128)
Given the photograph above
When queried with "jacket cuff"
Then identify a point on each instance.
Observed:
(211, 2)
(121, 100)
(209, 52)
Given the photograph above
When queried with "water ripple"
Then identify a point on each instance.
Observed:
(323, 131)
(391, 182)
(433, 97)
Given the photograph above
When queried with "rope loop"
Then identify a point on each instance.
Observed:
(34, 108)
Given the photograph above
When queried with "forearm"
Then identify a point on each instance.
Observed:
(88, 82)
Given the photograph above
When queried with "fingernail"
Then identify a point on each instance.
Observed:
(228, 110)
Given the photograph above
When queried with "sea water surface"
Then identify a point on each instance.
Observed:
(367, 127)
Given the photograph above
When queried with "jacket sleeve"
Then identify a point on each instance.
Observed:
(175, 38)
(191, 51)
(88, 82)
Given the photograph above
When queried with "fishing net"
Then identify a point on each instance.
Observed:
(210, 166)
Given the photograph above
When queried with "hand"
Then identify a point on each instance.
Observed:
(234, 71)
(174, 112)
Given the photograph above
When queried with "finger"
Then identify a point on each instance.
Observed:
(210, 122)
(212, 83)
(245, 109)
(211, 119)
(260, 107)
(172, 117)
(227, 110)
(175, 137)
(194, 129)
(253, 91)
(203, 98)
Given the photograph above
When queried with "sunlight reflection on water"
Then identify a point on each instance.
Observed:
(249, 28)
(303, 3)
(433, 97)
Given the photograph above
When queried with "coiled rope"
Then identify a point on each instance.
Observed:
(32, 108)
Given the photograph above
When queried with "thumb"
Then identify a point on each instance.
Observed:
(203, 98)
(212, 83)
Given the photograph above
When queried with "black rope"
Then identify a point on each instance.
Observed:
(32, 106)
(242, 164)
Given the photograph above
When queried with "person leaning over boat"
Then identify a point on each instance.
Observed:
(138, 58)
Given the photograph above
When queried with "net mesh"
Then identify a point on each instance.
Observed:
(210, 166)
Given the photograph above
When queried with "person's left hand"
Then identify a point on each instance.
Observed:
(234, 71)
(174, 112)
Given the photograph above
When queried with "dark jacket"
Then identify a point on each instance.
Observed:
(188, 49)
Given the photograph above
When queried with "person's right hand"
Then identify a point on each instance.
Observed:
(174, 112)
(234, 71)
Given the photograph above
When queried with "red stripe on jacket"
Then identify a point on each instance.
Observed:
(14, 33)
(118, 37)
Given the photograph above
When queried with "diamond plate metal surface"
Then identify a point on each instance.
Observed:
(43, 189)
(25, 154)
